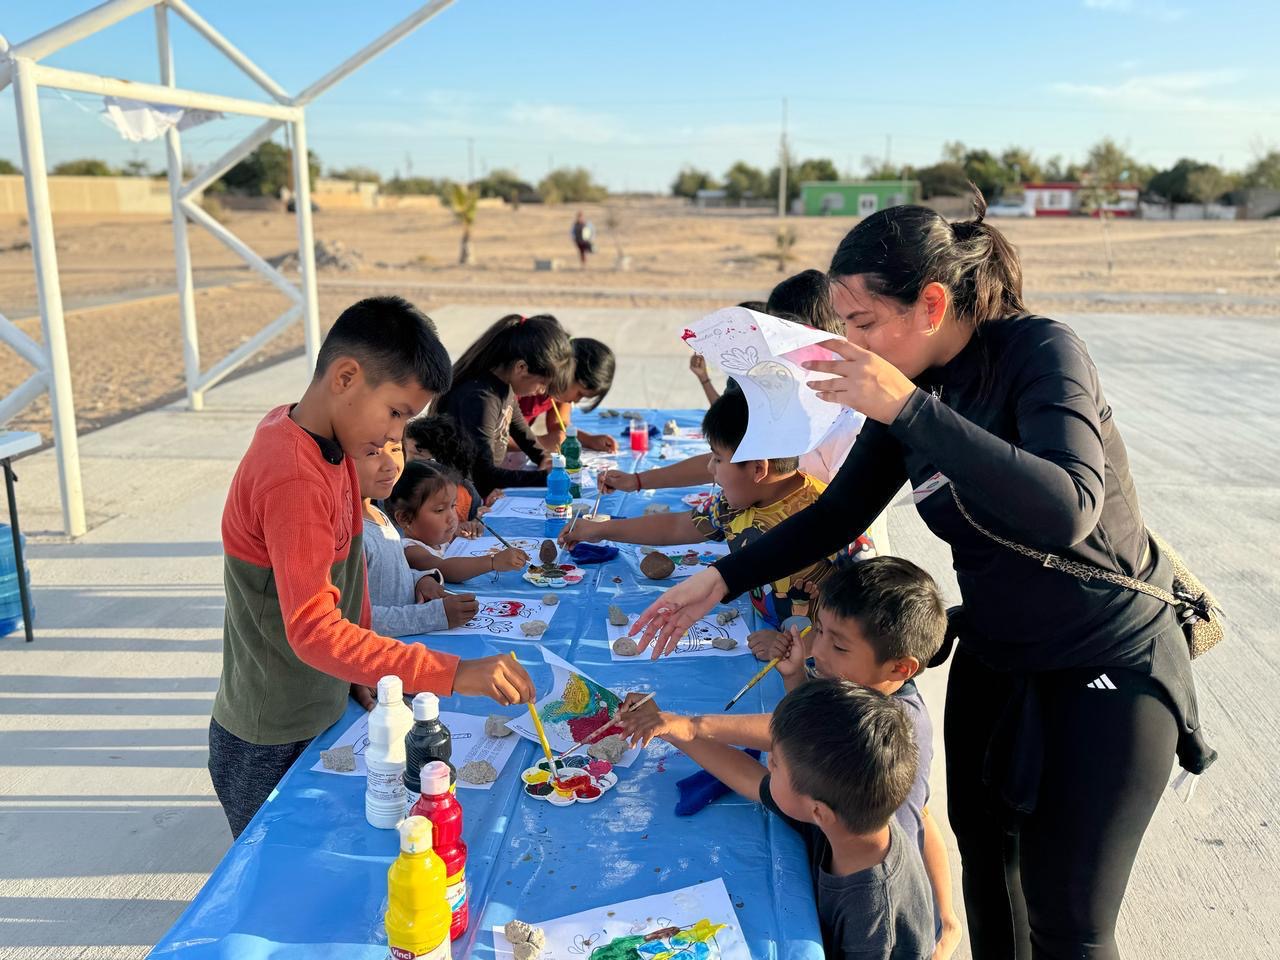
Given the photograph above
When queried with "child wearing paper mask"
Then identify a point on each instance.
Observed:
(754, 497)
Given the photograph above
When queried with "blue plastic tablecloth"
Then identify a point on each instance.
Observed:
(307, 878)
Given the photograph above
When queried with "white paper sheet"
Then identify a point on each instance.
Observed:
(501, 617)
(689, 558)
(487, 546)
(695, 643)
(575, 704)
(699, 922)
(469, 743)
(528, 508)
(763, 354)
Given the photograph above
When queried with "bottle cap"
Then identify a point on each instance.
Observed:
(571, 431)
(557, 460)
(435, 778)
(415, 834)
(426, 706)
(390, 689)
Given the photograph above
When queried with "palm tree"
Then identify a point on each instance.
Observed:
(463, 201)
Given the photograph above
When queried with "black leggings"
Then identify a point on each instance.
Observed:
(1053, 888)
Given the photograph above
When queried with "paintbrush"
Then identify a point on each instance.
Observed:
(495, 533)
(594, 735)
(542, 734)
(760, 675)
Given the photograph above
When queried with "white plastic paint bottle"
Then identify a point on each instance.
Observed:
(391, 702)
(384, 795)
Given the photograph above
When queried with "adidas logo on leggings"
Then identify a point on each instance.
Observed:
(1102, 683)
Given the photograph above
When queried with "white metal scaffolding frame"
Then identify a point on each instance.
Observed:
(19, 65)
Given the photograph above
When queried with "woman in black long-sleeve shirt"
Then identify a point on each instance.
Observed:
(517, 356)
(1066, 700)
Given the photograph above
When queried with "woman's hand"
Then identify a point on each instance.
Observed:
(863, 380)
(667, 618)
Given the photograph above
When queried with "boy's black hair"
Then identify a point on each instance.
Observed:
(896, 604)
(448, 443)
(421, 480)
(759, 306)
(725, 424)
(392, 340)
(807, 297)
(593, 368)
(539, 341)
(849, 747)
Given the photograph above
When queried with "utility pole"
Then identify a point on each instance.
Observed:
(783, 161)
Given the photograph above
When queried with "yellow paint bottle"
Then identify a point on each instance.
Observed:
(418, 913)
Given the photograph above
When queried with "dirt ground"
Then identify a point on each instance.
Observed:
(128, 356)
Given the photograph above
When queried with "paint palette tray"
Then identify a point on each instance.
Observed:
(554, 575)
(581, 780)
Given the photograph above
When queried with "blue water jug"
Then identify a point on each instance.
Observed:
(10, 599)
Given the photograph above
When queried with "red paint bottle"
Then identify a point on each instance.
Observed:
(441, 807)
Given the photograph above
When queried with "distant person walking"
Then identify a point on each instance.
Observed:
(583, 233)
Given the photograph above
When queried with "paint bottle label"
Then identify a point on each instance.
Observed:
(385, 787)
(442, 952)
(456, 892)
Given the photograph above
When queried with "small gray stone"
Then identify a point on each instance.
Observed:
(533, 628)
(550, 599)
(724, 643)
(526, 941)
(625, 647)
(339, 759)
(478, 771)
(616, 615)
(495, 725)
(609, 748)
(728, 616)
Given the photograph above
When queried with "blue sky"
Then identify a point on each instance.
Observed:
(633, 91)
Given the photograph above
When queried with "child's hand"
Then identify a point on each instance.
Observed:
(698, 366)
(611, 480)
(767, 644)
(470, 529)
(493, 497)
(429, 589)
(584, 531)
(642, 725)
(545, 463)
(950, 939)
(460, 608)
(500, 678)
(367, 697)
(600, 441)
(512, 558)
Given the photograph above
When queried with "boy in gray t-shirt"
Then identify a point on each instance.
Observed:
(842, 760)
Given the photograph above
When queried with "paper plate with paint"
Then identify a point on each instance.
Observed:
(554, 575)
(580, 780)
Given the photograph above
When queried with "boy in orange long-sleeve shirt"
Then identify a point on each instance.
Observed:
(296, 637)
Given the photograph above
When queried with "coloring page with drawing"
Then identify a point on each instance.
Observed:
(706, 638)
(689, 558)
(527, 508)
(503, 617)
(694, 923)
(470, 743)
(763, 354)
(488, 546)
(574, 708)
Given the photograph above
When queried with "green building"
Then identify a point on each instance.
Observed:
(855, 198)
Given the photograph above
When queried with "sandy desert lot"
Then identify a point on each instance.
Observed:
(122, 320)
